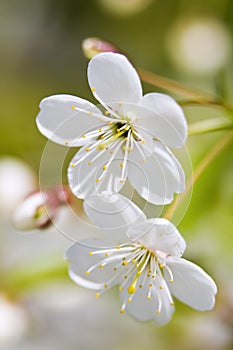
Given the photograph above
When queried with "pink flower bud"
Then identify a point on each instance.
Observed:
(40, 208)
(93, 46)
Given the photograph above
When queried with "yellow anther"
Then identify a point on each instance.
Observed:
(148, 275)
(150, 285)
(140, 286)
(73, 107)
(106, 254)
(110, 123)
(100, 130)
(73, 165)
(106, 113)
(121, 181)
(118, 247)
(87, 149)
(120, 104)
(125, 277)
(101, 266)
(90, 253)
(66, 143)
(158, 312)
(171, 280)
(104, 167)
(171, 303)
(100, 147)
(97, 180)
(121, 165)
(125, 263)
(120, 288)
(93, 89)
(129, 300)
(105, 286)
(89, 163)
(143, 160)
(87, 272)
(161, 266)
(143, 142)
(149, 297)
(134, 261)
(160, 287)
(90, 114)
(149, 271)
(153, 276)
(131, 289)
(102, 120)
(124, 258)
(101, 137)
(111, 152)
(83, 136)
(139, 273)
(118, 130)
(122, 311)
(115, 269)
(97, 295)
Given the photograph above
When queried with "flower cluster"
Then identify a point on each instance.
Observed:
(127, 137)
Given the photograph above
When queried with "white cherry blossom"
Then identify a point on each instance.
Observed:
(129, 139)
(147, 265)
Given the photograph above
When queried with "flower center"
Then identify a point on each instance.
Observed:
(138, 267)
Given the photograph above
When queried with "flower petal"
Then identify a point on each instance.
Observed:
(61, 123)
(81, 260)
(158, 177)
(191, 284)
(113, 211)
(144, 309)
(158, 234)
(165, 118)
(95, 172)
(112, 78)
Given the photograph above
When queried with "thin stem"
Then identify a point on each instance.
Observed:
(210, 156)
(209, 125)
(178, 88)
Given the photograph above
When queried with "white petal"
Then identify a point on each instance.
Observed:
(191, 284)
(158, 177)
(158, 234)
(112, 78)
(81, 261)
(114, 212)
(90, 176)
(165, 118)
(145, 310)
(59, 122)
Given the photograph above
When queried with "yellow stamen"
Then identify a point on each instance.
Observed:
(89, 163)
(120, 288)
(87, 149)
(66, 143)
(104, 167)
(90, 114)
(93, 89)
(122, 311)
(131, 289)
(97, 295)
(83, 136)
(73, 107)
(87, 272)
(90, 253)
(97, 180)
(121, 165)
(73, 166)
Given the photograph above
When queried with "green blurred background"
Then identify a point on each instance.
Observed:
(41, 55)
